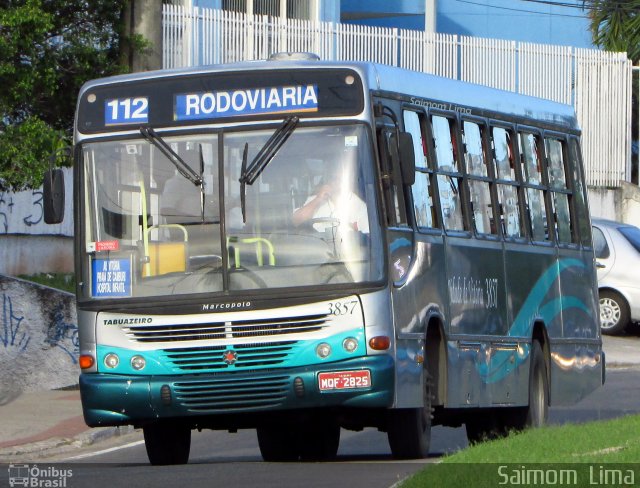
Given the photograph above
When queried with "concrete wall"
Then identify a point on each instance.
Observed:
(38, 338)
(621, 204)
(26, 255)
(27, 244)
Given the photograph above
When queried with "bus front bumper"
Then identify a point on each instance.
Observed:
(110, 399)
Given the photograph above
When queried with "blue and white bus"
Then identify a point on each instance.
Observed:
(298, 247)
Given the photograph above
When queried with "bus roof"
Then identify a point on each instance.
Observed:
(421, 86)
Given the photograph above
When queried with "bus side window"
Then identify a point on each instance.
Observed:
(532, 175)
(504, 169)
(559, 193)
(579, 193)
(394, 191)
(422, 189)
(449, 176)
(479, 184)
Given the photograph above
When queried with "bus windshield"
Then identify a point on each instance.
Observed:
(154, 228)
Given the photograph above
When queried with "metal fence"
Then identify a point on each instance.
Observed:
(597, 83)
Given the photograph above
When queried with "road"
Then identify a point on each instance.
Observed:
(223, 459)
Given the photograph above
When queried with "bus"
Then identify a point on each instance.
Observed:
(300, 246)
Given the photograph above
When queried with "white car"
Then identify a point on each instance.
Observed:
(617, 250)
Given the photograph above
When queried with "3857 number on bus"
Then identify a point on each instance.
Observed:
(344, 380)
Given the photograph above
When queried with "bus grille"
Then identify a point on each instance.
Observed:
(232, 393)
(227, 330)
(237, 357)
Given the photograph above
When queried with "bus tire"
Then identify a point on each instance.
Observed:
(489, 426)
(167, 443)
(315, 442)
(277, 445)
(409, 429)
(538, 409)
(536, 412)
(320, 442)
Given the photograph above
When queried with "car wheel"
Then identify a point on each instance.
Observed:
(614, 313)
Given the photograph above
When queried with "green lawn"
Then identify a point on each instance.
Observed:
(61, 281)
(592, 454)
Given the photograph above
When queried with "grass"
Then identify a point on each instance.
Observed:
(597, 452)
(60, 281)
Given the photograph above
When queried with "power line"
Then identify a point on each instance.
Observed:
(522, 10)
(585, 6)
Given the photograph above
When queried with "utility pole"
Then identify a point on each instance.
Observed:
(142, 19)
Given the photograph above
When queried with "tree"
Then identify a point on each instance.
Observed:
(48, 49)
(615, 25)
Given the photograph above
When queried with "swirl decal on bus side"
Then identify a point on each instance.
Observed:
(502, 362)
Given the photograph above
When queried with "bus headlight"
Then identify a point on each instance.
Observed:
(138, 362)
(350, 344)
(111, 360)
(323, 350)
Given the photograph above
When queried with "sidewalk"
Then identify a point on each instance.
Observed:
(41, 421)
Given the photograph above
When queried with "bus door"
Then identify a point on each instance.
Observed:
(427, 279)
(401, 252)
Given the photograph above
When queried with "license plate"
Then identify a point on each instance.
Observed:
(344, 380)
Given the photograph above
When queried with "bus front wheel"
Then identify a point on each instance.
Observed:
(167, 443)
(409, 429)
(309, 442)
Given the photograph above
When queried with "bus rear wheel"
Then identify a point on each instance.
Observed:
(167, 443)
(493, 426)
(409, 429)
(535, 414)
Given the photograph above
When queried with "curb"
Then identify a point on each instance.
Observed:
(59, 445)
(622, 365)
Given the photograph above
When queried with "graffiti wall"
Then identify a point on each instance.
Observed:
(27, 244)
(38, 338)
(22, 212)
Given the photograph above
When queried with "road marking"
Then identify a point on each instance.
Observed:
(105, 451)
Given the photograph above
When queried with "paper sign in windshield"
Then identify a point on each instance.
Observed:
(231, 103)
(111, 278)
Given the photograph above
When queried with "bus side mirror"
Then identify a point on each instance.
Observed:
(407, 158)
(53, 196)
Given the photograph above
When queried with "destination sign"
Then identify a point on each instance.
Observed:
(272, 100)
(182, 99)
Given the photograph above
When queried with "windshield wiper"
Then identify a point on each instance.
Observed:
(183, 168)
(269, 150)
(250, 174)
(243, 194)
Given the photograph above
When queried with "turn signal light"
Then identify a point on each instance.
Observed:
(85, 361)
(380, 343)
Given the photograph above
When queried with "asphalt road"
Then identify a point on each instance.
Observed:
(223, 459)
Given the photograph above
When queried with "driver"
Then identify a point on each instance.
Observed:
(333, 205)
